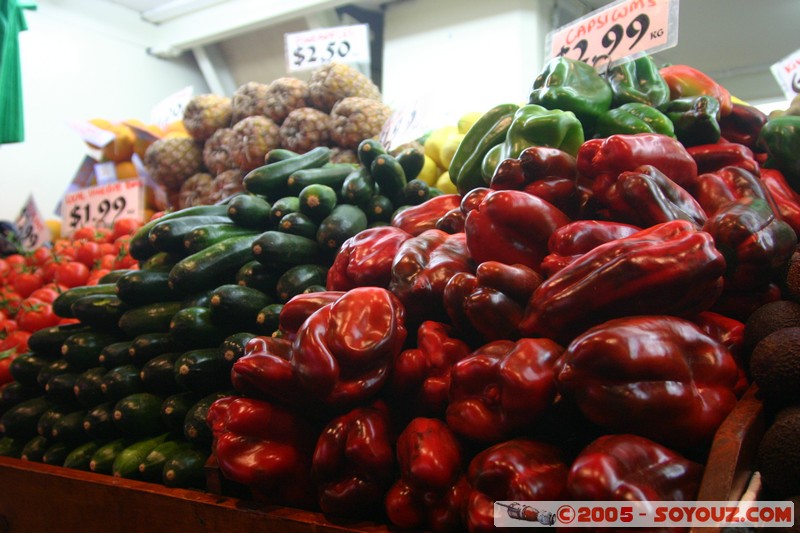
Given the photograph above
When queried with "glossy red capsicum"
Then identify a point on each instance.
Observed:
(684, 80)
(729, 332)
(787, 201)
(502, 388)
(512, 227)
(366, 259)
(353, 463)
(519, 469)
(713, 157)
(432, 488)
(569, 242)
(628, 467)
(300, 307)
(658, 376)
(491, 302)
(266, 447)
(419, 218)
(717, 189)
(742, 125)
(669, 268)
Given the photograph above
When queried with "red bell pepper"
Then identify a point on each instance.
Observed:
(740, 304)
(422, 267)
(713, 157)
(534, 163)
(607, 158)
(519, 469)
(715, 190)
(265, 447)
(492, 302)
(366, 259)
(419, 218)
(670, 268)
(730, 333)
(421, 376)
(632, 468)
(787, 201)
(684, 80)
(512, 227)
(353, 463)
(502, 388)
(265, 371)
(452, 221)
(660, 377)
(571, 241)
(743, 124)
(473, 199)
(300, 307)
(432, 490)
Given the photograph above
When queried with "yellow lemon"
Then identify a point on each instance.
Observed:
(445, 185)
(430, 171)
(54, 225)
(467, 120)
(449, 147)
(433, 144)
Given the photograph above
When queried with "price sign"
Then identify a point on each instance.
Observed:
(90, 133)
(105, 172)
(787, 72)
(171, 108)
(344, 44)
(617, 32)
(31, 228)
(101, 206)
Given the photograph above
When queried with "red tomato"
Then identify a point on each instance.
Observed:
(63, 249)
(5, 268)
(16, 340)
(87, 253)
(47, 293)
(5, 363)
(125, 226)
(65, 321)
(16, 261)
(72, 274)
(103, 235)
(27, 281)
(40, 256)
(35, 314)
(9, 301)
(105, 262)
(96, 274)
(86, 233)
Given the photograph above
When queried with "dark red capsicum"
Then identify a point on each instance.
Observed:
(300, 307)
(713, 157)
(266, 447)
(628, 467)
(730, 333)
(418, 218)
(366, 259)
(716, 190)
(658, 376)
(669, 268)
(787, 201)
(519, 469)
(353, 463)
(491, 302)
(421, 375)
(502, 388)
(452, 221)
(742, 125)
(571, 241)
(432, 489)
(740, 304)
(512, 227)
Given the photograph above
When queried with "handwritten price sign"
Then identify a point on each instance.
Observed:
(171, 108)
(101, 206)
(31, 228)
(787, 72)
(310, 49)
(619, 31)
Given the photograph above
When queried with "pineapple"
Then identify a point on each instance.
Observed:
(341, 155)
(304, 129)
(172, 161)
(217, 151)
(283, 96)
(250, 100)
(335, 81)
(226, 184)
(355, 119)
(253, 138)
(205, 114)
(197, 190)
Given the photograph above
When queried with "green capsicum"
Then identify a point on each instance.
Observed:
(695, 119)
(633, 118)
(534, 125)
(572, 85)
(637, 81)
(780, 138)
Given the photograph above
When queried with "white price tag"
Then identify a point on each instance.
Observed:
(171, 108)
(787, 72)
(31, 228)
(105, 172)
(617, 32)
(101, 206)
(343, 44)
(90, 133)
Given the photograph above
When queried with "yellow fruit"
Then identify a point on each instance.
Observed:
(445, 185)
(176, 135)
(430, 171)
(448, 149)
(433, 144)
(176, 126)
(126, 170)
(54, 225)
(466, 121)
(121, 148)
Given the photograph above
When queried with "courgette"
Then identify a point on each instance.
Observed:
(98, 423)
(61, 387)
(149, 345)
(46, 422)
(379, 209)
(122, 381)
(282, 207)
(256, 275)
(87, 388)
(101, 311)
(194, 327)
(344, 222)
(317, 201)
(415, 192)
(250, 211)
(140, 287)
(140, 247)
(167, 236)
(330, 175)
(198, 299)
(102, 460)
(34, 449)
(25, 367)
(205, 236)
(81, 457)
(368, 150)
(113, 276)
(11, 447)
(139, 414)
(186, 468)
(202, 370)
(298, 278)
(175, 407)
(233, 347)
(161, 261)
(82, 350)
(389, 175)
(115, 354)
(53, 368)
(62, 305)
(237, 304)
(358, 187)
(412, 160)
(126, 463)
(69, 428)
(212, 266)
(279, 248)
(149, 318)
(15, 392)
(298, 224)
(20, 421)
(269, 318)
(279, 154)
(152, 466)
(270, 180)
(157, 374)
(57, 453)
(47, 342)
(195, 427)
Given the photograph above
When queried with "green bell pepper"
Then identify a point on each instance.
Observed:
(780, 138)
(695, 119)
(572, 85)
(534, 125)
(633, 118)
(637, 81)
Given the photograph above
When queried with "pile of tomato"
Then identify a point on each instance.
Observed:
(32, 280)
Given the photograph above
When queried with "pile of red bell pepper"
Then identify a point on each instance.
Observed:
(570, 328)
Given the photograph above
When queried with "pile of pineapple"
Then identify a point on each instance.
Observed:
(230, 136)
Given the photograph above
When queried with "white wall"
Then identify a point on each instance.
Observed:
(80, 59)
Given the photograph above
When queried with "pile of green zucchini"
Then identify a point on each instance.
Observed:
(125, 390)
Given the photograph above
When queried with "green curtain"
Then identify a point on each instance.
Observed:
(12, 21)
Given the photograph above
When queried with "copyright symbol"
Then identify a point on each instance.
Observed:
(565, 514)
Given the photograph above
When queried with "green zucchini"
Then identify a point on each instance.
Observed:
(282, 207)
(47, 342)
(61, 387)
(389, 175)
(98, 423)
(80, 458)
(25, 367)
(212, 266)
(57, 453)
(175, 407)
(344, 222)
(202, 370)
(412, 160)
(140, 247)
(198, 299)
(152, 466)
(139, 414)
(167, 236)
(69, 428)
(122, 381)
(34, 449)
(101, 311)
(46, 422)
(195, 427)
(140, 287)
(271, 180)
(368, 150)
(161, 261)
(102, 460)
(279, 154)
(149, 318)
(314, 288)
(149, 345)
(53, 368)
(87, 388)
(278, 248)
(358, 187)
(20, 421)
(126, 463)
(317, 201)
(298, 278)
(113, 276)
(298, 224)
(268, 318)
(237, 304)
(205, 236)
(250, 211)
(256, 275)
(82, 350)
(157, 374)
(415, 192)
(330, 175)
(233, 347)
(186, 468)
(15, 392)
(62, 305)
(194, 327)
(379, 209)
(115, 354)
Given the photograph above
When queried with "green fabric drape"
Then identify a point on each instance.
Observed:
(12, 21)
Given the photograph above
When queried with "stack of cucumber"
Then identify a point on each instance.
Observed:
(125, 390)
